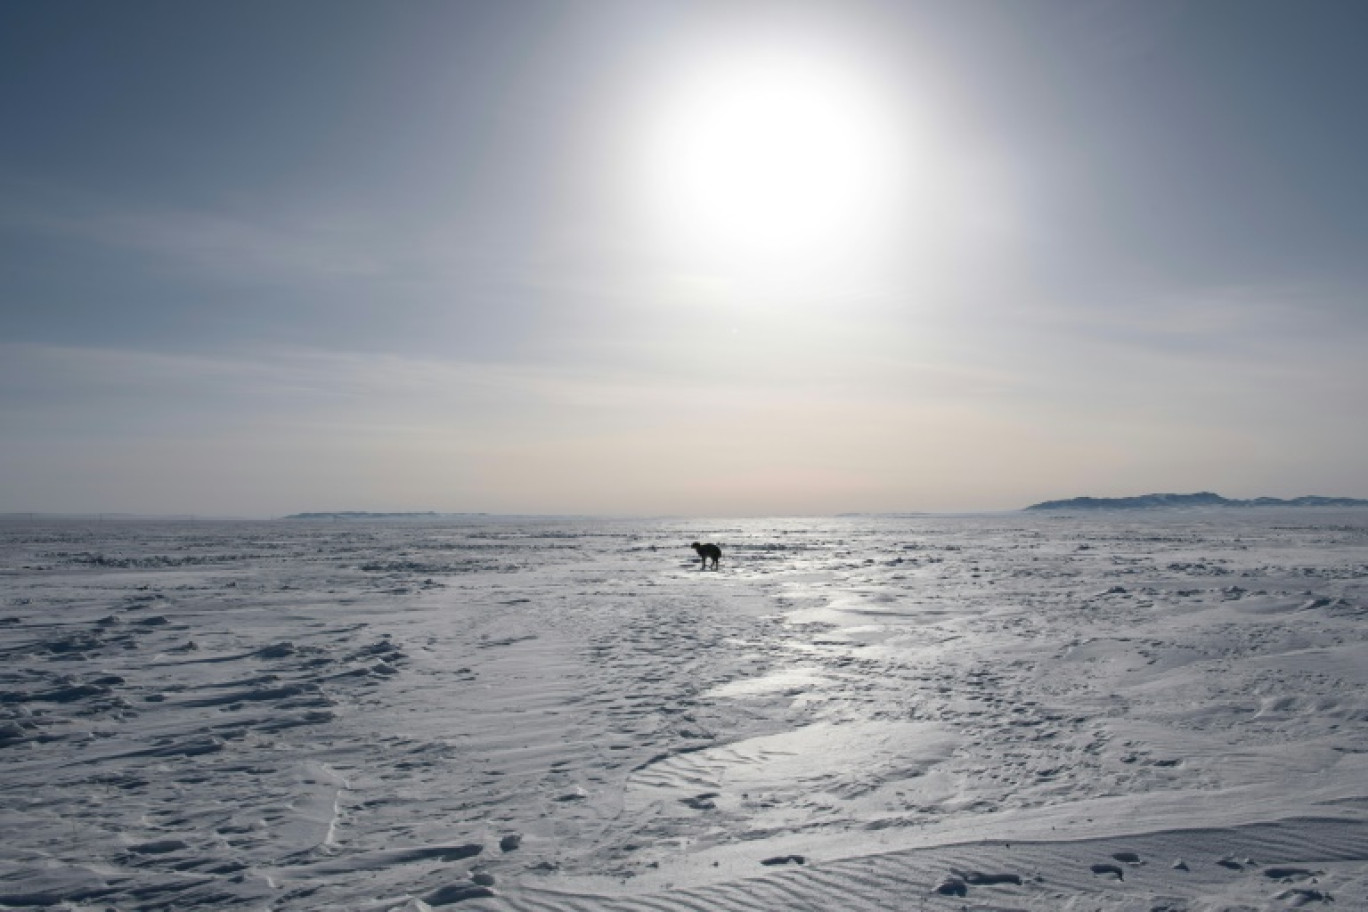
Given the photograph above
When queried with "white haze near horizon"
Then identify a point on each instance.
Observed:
(461, 257)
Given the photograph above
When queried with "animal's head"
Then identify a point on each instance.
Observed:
(695, 546)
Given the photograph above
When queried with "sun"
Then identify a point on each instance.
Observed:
(754, 156)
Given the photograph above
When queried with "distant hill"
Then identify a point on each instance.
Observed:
(1201, 499)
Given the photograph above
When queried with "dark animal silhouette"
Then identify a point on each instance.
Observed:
(707, 552)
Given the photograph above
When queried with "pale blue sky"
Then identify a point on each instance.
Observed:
(669, 257)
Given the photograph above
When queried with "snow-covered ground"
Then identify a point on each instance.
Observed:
(1160, 711)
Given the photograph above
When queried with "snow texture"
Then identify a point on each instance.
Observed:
(1040, 711)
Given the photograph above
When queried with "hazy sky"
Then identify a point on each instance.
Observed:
(679, 257)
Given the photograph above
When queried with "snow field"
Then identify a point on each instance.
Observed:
(1106, 711)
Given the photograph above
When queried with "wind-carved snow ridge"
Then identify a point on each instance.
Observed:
(1042, 711)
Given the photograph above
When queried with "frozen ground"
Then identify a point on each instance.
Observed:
(1117, 712)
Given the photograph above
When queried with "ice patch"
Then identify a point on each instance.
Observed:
(790, 681)
(857, 772)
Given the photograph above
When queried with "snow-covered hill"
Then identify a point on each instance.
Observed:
(1201, 499)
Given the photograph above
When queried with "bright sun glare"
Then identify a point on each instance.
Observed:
(772, 155)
